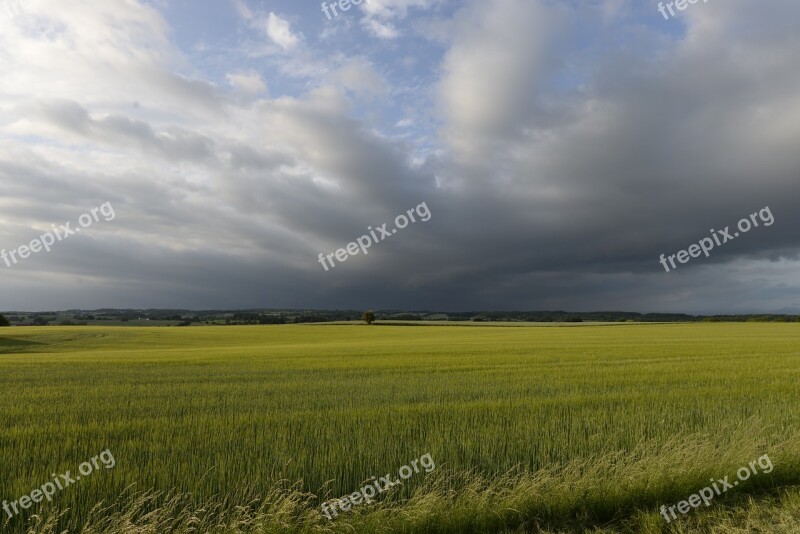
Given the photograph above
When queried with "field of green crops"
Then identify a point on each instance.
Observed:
(558, 429)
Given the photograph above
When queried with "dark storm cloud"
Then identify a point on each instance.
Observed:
(576, 146)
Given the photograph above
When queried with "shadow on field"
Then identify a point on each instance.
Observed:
(11, 345)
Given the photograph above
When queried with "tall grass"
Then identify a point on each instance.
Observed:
(624, 490)
(247, 428)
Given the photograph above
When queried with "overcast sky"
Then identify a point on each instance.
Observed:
(561, 148)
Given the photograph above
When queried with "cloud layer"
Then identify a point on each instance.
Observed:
(561, 149)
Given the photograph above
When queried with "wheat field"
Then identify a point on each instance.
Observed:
(533, 429)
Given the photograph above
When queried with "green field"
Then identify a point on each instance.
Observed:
(241, 429)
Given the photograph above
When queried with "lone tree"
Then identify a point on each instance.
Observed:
(368, 317)
(4, 321)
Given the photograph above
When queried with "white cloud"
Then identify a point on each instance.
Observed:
(242, 9)
(72, 50)
(247, 82)
(381, 29)
(279, 30)
(388, 9)
(379, 14)
(360, 76)
(491, 72)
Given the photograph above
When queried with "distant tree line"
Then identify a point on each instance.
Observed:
(267, 317)
(257, 318)
(578, 317)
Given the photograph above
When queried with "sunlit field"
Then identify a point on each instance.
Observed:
(249, 429)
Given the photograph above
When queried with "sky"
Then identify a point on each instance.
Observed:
(549, 151)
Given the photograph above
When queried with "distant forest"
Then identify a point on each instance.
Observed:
(270, 316)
